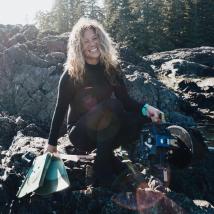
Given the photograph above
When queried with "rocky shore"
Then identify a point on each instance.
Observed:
(179, 82)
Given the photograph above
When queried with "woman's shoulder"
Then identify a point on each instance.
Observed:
(66, 80)
(65, 76)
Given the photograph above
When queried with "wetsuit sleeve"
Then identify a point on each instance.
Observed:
(60, 109)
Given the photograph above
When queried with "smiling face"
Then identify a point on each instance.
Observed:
(91, 47)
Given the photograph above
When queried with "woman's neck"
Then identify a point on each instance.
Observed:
(92, 66)
(92, 62)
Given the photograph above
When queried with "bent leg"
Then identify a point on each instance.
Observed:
(101, 123)
(105, 127)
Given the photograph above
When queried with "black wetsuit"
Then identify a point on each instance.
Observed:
(100, 115)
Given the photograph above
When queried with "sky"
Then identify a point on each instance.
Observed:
(22, 11)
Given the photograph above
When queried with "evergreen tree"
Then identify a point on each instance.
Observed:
(61, 11)
(146, 25)
(112, 17)
(94, 11)
(45, 21)
(205, 25)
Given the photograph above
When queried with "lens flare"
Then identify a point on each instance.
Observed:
(146, 201)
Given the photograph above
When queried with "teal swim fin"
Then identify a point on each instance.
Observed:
(46, 175)
(56, 178)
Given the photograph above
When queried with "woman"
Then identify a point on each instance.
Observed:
(101, 114)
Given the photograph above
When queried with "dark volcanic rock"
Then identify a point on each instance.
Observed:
(30, 32)
(201, 55)
(7, 131)
(10, 125)
(7, 32)
(33, 130)
(55, 43)
(29, 72)
(180, 67)
(193, 80)
(142, 86)
(196, 181)
(18, 38)
(80, 199)
(55, 57)
(129, 55)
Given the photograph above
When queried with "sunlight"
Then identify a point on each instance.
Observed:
(22, 11)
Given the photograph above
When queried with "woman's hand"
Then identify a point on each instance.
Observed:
(50, 148)
(155, 114)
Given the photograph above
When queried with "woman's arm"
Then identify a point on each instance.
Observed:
(60, 110)
(143, 109)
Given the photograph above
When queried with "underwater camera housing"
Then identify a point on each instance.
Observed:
(166, 144)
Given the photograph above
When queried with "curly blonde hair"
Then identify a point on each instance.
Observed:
(75, 63)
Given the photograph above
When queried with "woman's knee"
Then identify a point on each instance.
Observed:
(81, 140)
